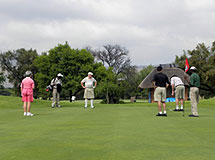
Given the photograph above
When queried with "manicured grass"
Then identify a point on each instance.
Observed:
(128, 131)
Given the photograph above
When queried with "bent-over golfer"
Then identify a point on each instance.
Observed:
(160, 83)
(178, 90)
(89, 83)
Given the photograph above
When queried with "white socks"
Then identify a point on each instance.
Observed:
(85, 103)
(177, 107)
(28, 114)
(164, 112)
(91, 103)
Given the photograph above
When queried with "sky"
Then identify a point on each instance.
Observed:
(153, 31)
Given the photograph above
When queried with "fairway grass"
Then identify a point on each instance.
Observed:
(129, 131)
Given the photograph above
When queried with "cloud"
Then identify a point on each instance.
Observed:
(153, 31)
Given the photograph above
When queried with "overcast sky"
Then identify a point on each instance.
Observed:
(154, 31)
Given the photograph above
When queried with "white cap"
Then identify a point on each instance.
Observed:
(59, 75)
(28, 73)
(193, 68)
(90, 73)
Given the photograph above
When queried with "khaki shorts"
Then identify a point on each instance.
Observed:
(180, 92)
(89, 93)
(160, 94)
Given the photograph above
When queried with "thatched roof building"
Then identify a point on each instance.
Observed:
(147, 82)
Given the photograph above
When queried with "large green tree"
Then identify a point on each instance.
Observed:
(16, 63)
(203, 58)
(74, 64)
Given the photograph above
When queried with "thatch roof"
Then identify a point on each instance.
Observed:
(147, 82)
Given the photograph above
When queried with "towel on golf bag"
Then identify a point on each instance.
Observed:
(49, 88)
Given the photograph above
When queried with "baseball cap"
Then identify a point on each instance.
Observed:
(193, 68)
(28, 73)
(59, 75)
(90, 73)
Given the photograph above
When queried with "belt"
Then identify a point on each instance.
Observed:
(179, 85)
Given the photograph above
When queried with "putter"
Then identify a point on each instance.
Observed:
(184, 108)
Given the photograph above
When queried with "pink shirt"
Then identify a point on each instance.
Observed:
(27, 83)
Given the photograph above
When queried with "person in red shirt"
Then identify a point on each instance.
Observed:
(27, 87)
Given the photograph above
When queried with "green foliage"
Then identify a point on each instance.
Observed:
(109, 89)
(180, 60)
(128, 79)
(16, 63)
(203, 58)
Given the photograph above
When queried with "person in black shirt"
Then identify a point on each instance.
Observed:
(160, 83)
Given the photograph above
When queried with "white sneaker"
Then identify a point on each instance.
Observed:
(30, 114)
(25, 113)
(92, 107)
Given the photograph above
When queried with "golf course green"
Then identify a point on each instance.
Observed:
(129, 131)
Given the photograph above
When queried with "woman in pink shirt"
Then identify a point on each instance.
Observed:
(27, 87)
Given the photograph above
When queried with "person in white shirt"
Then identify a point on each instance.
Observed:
(179, 90)
(89, 83)
(56, 84)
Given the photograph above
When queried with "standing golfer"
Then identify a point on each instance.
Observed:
(179, 90)
(56, 84)
(27, 87)
(160, 83)
(194, 82)
(90, 84)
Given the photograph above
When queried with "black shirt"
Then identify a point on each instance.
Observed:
(160, 79)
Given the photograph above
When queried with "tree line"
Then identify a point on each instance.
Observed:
(203, 58)
(117, 77)
(111, 66)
